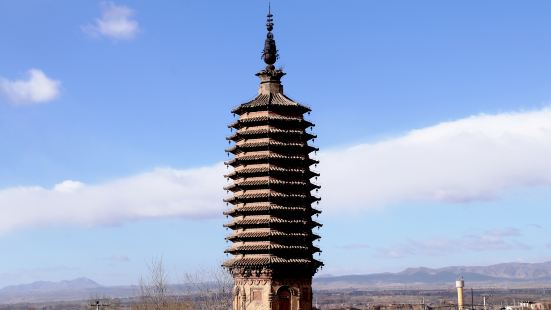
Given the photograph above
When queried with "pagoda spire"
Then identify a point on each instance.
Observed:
(269, 54)
(270, 77)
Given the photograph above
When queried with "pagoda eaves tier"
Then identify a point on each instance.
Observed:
(271, 184)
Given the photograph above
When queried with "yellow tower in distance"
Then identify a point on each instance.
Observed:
(460, 284)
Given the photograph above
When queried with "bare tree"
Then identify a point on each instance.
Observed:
(211, 288)
(154, 290)
(207, 289)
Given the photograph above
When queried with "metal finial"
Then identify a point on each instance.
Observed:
(270, 22)
(270, 51)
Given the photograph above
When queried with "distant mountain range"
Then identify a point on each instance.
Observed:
(76, 289)
(47, 286)
(495, 275)
(507, 274)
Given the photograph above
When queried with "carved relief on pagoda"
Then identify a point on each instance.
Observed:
(252, 295)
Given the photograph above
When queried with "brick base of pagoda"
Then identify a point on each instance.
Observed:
(276, 294)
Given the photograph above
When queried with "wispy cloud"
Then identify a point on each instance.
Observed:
(472, 159)
(37, 88)
(536, 226)
(490, 240)
(354, 246)
(119, 258)
(116, 22)
(476, 158)
(395, 252)
(500, 239)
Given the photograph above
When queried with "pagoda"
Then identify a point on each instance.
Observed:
(271, 210)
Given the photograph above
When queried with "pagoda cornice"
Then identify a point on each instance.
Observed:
(245, 235)
(267, 247)
(259, 221)
(248, 158)
(270, 101)
(270, 132)
(273, 119)
(270, 183)
(273, 145)
(260, 207)
(287, 172)
(271, 196)
(252, 260)
(270, 261)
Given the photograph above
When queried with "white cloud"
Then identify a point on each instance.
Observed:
(472, 159)
(192, 193)
(116, 22)
(476, 158)
(38, 88)
(68, 186)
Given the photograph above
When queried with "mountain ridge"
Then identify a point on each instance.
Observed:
(77, 283)
(514, 273)
(517, 274)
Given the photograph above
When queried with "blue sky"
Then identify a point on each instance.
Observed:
(433, 119)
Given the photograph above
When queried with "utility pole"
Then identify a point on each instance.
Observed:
(98, 305)
(484, 300)
(472, 299)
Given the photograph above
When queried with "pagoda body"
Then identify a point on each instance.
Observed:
(272, 247)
